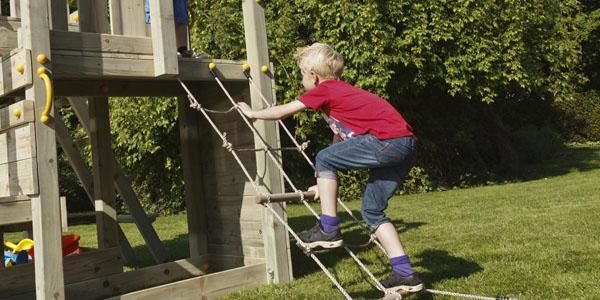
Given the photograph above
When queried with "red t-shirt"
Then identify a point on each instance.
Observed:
(352, 111)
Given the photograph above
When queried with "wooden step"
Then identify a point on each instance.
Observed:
(284, 197)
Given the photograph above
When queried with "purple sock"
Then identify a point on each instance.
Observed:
(329, 224)
(401, 265)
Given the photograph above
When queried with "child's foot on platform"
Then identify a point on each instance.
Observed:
(396, 283)
(316, 237)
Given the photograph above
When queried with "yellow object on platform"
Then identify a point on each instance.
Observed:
(23, 245)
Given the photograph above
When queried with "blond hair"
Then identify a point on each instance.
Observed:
(321, 59)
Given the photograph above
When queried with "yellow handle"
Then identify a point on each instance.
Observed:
(10, 245)
(49, 94)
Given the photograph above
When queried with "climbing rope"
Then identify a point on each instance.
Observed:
(300, 148)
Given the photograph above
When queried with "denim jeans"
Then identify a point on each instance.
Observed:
(388, 162)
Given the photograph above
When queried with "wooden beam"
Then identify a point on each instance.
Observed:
(275, 236)
(191, 156)
(85, 177)
(212, 286)
(103, 287)
(100, 42)
(163, 38)
(123, 186)
(44, 205)
(15, 213)
(77, 268)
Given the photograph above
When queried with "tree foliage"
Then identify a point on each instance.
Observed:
(474, 78)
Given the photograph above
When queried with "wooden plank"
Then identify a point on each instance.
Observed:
(15, 213)
(276, 237)
(58, 10)
(227, 262)
(89, 67)
(11, 79)
(100, 288)
(124, 188)
(128, 17)
(116, 19)
(17, 143)
(8, 118)
(85, 177)
(93, 16)
(100, 42)
(77, 268)
(212, 286)
(15, 8)
(8, 35)
(19, 178)
(68, 66)
(163, 38)
(191, 148)
(140, 87)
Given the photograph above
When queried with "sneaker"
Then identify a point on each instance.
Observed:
(396, 283)
(315, 237)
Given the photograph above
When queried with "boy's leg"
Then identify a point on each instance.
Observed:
(180, 10)
(328, 191)
(381, 186)
(339, 156)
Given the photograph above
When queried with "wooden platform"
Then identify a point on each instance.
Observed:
(81, 56)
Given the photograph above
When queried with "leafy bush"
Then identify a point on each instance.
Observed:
(536, 144)
(580, 117)
(416, 181)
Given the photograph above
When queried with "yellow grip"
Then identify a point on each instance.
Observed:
(49, 95)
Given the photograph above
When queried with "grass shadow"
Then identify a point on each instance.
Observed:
(177, 248)
(353, 237)
(574, 158)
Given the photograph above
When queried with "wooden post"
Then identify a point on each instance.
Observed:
(85, 177)
(93, 16)
(58, 14)
(275, 236)
(45, 206)
(162, 22)
(127, 17)
(15, 8)
(189, 130)
(104, 192)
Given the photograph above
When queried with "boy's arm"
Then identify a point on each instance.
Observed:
(277, 112)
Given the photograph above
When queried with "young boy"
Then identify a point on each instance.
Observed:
(180, 10)
(372, 135)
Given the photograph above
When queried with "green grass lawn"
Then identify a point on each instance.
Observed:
(536, 239)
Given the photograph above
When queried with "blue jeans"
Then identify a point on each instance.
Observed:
(180, 11)
(388, 162)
